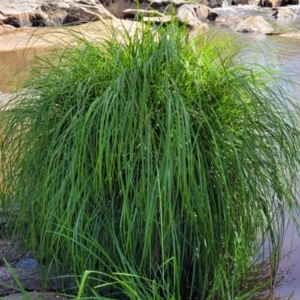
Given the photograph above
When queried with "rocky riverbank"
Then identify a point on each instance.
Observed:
(50, 13)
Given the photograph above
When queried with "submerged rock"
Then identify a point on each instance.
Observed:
(294, 35)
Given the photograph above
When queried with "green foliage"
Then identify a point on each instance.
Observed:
(155, 164)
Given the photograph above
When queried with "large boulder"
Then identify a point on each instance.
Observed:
(19, 20)
(187, 15)
(201, 11)
(270, 3)
(52, 13)
(83, 13)
(283, 13)
(35, 18)
(116, 7)
(255, 24)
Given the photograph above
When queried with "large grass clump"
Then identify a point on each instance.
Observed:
(160, 166)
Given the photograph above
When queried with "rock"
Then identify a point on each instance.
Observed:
(227, 20)
(4, 99)
(202, 11)
(216, 3)
(40, 18)
(11, 252)
(141, 13)
(19, 20)
(202, 2)
(197, 30)
(212, 16)
(33, 296)
(6, 29)
(56, 19)
(245, 2)
(33, 279)
(283, 12)
(277, 3)
(159, 20)
(151, 16)
(116, 7)
(162, 4)
(187, 15)
(273, 3)
(35, 18)
(85, 14)
(255, 24)
(30, 279)
(294, 35)
(27, 262)
(53, 13)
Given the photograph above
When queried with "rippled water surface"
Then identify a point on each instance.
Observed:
(286, 51)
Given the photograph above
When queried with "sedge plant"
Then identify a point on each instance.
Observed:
(153, 167)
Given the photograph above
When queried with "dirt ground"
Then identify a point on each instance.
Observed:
(33, 296)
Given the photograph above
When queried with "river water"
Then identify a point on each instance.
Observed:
(286, 52)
